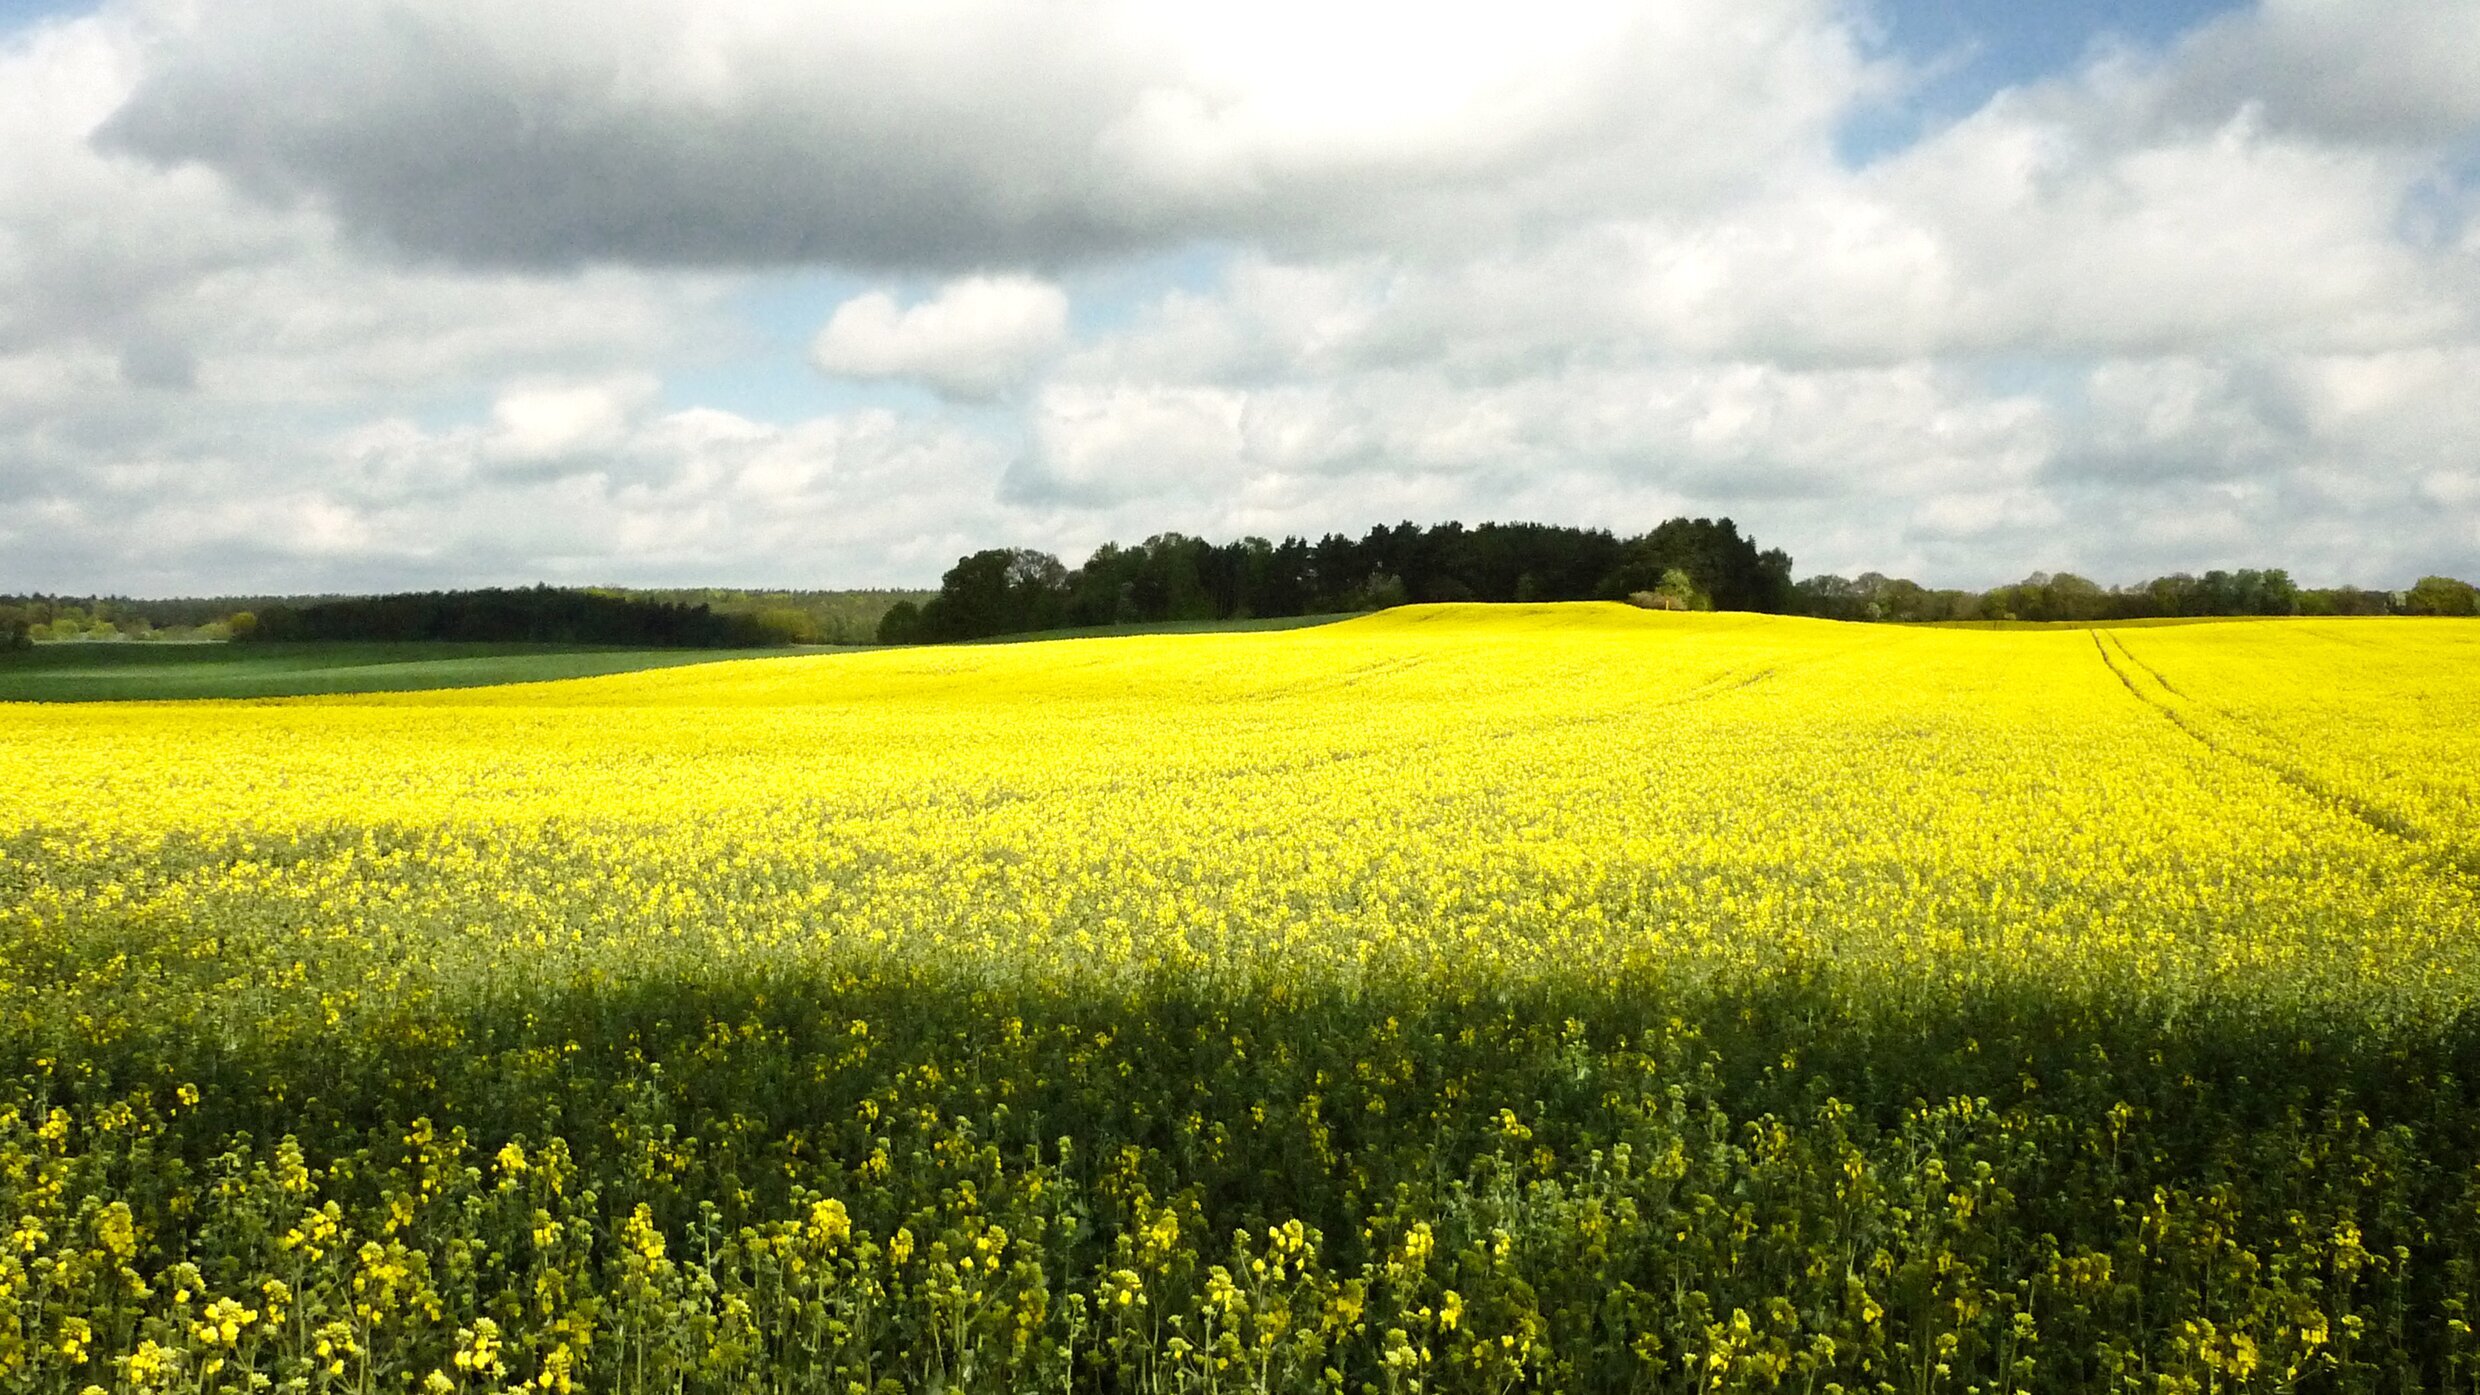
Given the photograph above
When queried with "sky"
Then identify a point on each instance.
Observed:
(356, 295)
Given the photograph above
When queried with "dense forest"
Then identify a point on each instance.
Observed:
(537, 615)
(787, 617)
(1685, 563)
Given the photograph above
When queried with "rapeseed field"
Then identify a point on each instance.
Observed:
(1562, 998)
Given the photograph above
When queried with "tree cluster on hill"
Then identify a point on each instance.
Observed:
(1685, 563)
(2064, 596)
(536, 615)
(1705, 563)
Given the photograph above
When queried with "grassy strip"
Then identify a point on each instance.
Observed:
(105, 672)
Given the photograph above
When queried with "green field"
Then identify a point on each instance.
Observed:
(157, 671)
(150, 671)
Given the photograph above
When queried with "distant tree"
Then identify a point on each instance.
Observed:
(2247, 591)
(800, 617)
(1170, 581)
(1175, 577)
(788, 624)
(74, 617)
(1829, 597)
(1103, 591)
(1001, 590)
(1288, 586)
(536, 615)
(1382, 591)
(241, 624)
(2066, 597)
(2046, 596)
(2073, 597)
(2175, 594)
(1719, 562)
(2345, 600)
(901, 624)
(2442, 595)
(1237, 576)
(1444, 564)
(1678, 587)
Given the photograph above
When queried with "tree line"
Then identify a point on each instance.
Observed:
(1684, 563)
(534, 615)
(2066, 597)
(1692, 563)
(30, 619)
(779, 616)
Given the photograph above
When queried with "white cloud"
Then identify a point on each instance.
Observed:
(974, 340)
(533, 421)
(1111, 443)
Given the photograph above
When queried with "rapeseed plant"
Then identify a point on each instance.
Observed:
(1562, 998)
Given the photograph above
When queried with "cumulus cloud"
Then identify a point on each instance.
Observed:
(974, 340)
(2027, 228)
(535, 421)
(972, 133)
(1706, 437)
(549, 488)
(1116, 443)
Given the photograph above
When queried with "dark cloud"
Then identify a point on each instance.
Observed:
(2401, 72)
(982, 135)
(452, 137)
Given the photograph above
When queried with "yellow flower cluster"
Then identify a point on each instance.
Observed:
(1482, 793)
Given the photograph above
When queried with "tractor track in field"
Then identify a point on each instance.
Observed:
(2149, 671)
(1720, 685)
(2373, 816)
